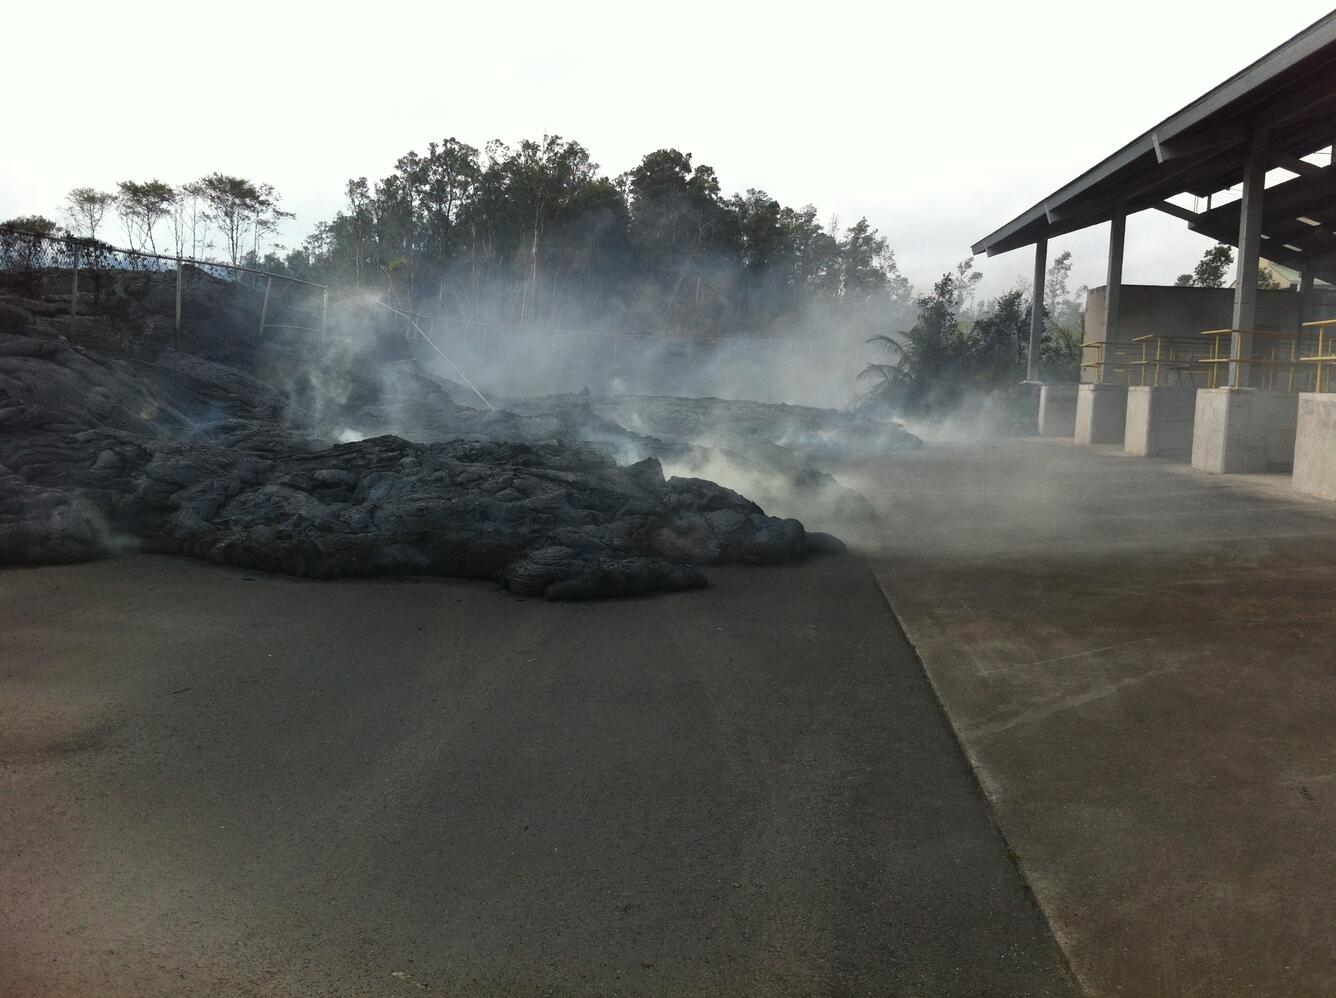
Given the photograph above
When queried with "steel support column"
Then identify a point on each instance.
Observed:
(1037, 309)
(1113, 288)
(1250, 251)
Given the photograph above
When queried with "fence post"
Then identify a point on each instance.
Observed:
(324, 313)
(264, 308)
(180, 278)
(74, 285)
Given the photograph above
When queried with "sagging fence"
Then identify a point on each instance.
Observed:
(85, 259)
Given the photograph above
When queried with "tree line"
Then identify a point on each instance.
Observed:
(536, 234)
(157, 217)
(533, 234)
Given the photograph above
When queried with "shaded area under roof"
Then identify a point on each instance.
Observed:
(1203, 149)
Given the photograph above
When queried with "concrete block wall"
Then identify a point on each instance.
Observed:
(1159, 421)
(1057, 410)
(1315, 446)
(1101, 413)
(1244, 430)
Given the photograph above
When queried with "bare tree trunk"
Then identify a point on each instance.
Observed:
(531, 285)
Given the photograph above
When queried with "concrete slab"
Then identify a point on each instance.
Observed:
(1101, 412)
(1244, 430)
(1138, 660)
(1057, 410)
(1159, 421)
(1315, 445)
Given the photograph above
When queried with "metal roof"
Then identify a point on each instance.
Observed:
(1203, 149)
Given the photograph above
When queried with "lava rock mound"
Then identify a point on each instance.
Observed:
(187, 456)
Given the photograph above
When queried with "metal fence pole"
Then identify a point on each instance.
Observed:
(324, 313)
(264, 308)
(180, 278)
(74, 286)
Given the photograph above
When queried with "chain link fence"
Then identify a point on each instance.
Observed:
(93, 279)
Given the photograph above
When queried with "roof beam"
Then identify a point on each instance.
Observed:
(1198, 145)
(1169, 208)
(1296, 165)
(1290, 199)
(1160, 183)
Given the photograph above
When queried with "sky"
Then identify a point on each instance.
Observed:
(938, 122)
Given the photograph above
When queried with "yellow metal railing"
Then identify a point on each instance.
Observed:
(1123, 354)
(1165, 356)
(1321, 359)
(1275, 355)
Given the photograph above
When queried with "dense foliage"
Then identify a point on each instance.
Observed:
(1213, 268)
(953, 352)
(535, 234)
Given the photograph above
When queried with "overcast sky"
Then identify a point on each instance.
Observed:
(938, 122)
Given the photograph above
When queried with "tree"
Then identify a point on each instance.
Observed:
(266, 216)
(439, 184)
(863, 267)
(680, 228)
(545, 176)
(1003, 335)
(929, 358)
(533, 232)
(1210, 270)
(85, 208)
(357, 222)
(142, 206)
(190, 227)
(240, 208)
(1055, 295)
(966, 278)
(22, 239)
(39, 224)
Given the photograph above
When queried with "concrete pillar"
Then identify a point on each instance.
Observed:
(1159, 421)
(1305, 295)
(1250, 249)
(1037, 309)
(1057, 410)
(1101, 413)
(1244, 430)
(1113, 287)
(1315, 445)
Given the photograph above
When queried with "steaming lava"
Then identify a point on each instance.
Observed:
(563, 497)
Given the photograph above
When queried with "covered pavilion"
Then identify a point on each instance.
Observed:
(1269, 129)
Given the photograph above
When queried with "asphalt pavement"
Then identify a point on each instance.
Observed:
(213, 781)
